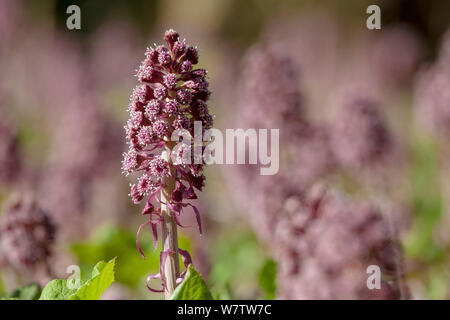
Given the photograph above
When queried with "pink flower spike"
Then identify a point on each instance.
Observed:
(172, 94)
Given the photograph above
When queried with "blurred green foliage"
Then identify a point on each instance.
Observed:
(2, 289)
(118, 242)
(420, 244)
(28, 292)
(237, 259)
(426, 200)
(267, 279)
(437, 282)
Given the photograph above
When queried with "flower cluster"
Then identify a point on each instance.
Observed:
(9, 155)
(432, 93)
(393, 57)
(269, 88)
(171, 98)
(74, 167)
(311, 237)
(359, 135)
(27, 233)
(275, 104)
(325, 244)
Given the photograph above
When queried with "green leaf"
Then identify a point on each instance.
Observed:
(28, 292)
(267, 279)
(192, 288)
(102, 277)
(57, 290)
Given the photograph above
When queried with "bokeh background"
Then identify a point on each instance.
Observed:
(364, 118)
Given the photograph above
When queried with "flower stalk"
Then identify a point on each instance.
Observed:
(169, 234)
(169, 102)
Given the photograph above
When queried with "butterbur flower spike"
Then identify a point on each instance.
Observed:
(172, 95)
(27, 235)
